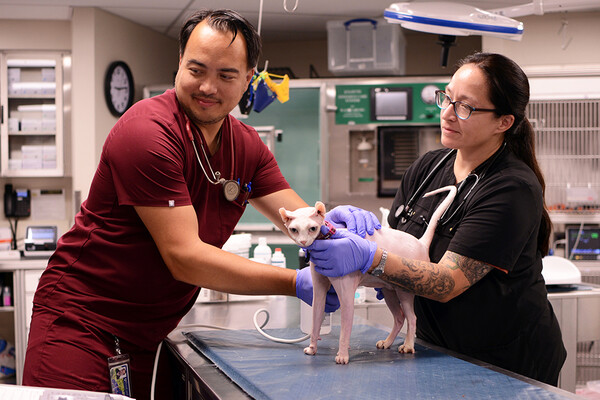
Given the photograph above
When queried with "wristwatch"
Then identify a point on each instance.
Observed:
(378, 271)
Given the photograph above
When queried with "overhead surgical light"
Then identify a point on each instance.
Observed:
(452, 19)
(445, 18)
(449, 19)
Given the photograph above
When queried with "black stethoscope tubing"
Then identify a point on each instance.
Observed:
(231, 188)
(406, 211)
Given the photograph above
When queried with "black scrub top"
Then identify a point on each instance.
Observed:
(505, 318)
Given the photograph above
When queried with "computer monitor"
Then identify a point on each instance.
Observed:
(583, 243)
(391, 103)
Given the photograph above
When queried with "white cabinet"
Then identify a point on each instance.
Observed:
(23, 277)
(7, 317)
(32, 99)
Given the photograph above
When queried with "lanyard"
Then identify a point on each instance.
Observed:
(231, 188)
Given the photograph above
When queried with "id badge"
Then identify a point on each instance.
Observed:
(120, 377)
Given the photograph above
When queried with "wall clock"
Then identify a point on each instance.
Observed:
(118, 88)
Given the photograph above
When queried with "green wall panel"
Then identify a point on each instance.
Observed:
(298, 153)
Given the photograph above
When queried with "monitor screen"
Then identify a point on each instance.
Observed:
(391, 103)
(583, 244)
(41, 234)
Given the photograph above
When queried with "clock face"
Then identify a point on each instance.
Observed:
(118, 88)
(428, 94)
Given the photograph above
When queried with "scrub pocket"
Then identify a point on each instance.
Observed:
(66, 353)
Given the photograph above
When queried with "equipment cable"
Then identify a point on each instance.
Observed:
(256, 325)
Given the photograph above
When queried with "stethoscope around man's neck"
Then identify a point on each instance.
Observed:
(231, 188)
(406, 211)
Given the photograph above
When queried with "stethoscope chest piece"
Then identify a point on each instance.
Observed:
(404, 212)
(231, 189)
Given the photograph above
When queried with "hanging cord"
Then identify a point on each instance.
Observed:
(158, 350)
(286, 8)
(260, 14)
(572, 250)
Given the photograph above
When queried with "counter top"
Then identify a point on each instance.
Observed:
(23, 263)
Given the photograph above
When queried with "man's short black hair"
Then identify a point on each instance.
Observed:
(226, 21)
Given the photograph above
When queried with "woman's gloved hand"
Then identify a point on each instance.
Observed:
(356, 220)
(379, 294)
(304, 291)
(342, 253)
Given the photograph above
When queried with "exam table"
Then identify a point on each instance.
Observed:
(251, 366)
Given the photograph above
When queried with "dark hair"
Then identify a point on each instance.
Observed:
(225, 21)
(509, 92)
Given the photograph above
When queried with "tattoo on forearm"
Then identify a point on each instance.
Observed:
(436, 280)
(423, 279)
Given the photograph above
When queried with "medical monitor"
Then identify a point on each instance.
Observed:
(583, 243)
(391, 103)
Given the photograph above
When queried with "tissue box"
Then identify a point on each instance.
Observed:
(14, 75)
(13, 124)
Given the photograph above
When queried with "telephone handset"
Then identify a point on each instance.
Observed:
(17, 202)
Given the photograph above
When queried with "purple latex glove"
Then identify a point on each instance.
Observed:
(304, 291)
(379, 294)
(342, 253)
(356, 220)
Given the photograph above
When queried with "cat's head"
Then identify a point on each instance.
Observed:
(304, 224)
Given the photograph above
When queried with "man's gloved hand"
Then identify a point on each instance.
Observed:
(342, 253)
(304, 291)
(356, 220)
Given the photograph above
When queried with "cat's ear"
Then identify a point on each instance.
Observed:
(320, 207)
(284, 215)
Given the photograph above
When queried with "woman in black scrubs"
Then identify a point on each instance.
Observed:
(482, 294)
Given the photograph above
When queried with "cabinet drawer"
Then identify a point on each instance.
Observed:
(32, 277)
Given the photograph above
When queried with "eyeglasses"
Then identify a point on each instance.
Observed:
(461, 109)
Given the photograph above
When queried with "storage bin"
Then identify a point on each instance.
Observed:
(365, 47)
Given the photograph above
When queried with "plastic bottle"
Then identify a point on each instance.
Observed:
(278, 258)
(263, 251)
(306, 320)
(6, 296)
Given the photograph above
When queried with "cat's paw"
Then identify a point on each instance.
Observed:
(310, 350)
(404, 348)
(342, 358)
(381, 345)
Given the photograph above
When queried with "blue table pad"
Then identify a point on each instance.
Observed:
(270, 370)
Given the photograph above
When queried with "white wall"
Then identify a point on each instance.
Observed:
(423, 54)
(34, 35)
(94, 38)
(100, 38)
(541, 45)
(544, 44)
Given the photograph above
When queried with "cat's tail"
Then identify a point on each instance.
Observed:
(437, 214)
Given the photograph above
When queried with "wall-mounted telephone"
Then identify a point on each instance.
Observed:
(17, 202)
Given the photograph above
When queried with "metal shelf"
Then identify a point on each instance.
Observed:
(574, 217)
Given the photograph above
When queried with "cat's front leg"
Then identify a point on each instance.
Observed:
(320, 287)
(345, 287)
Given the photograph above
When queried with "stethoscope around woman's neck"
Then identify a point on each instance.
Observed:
(406, 211)
(231, 188)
